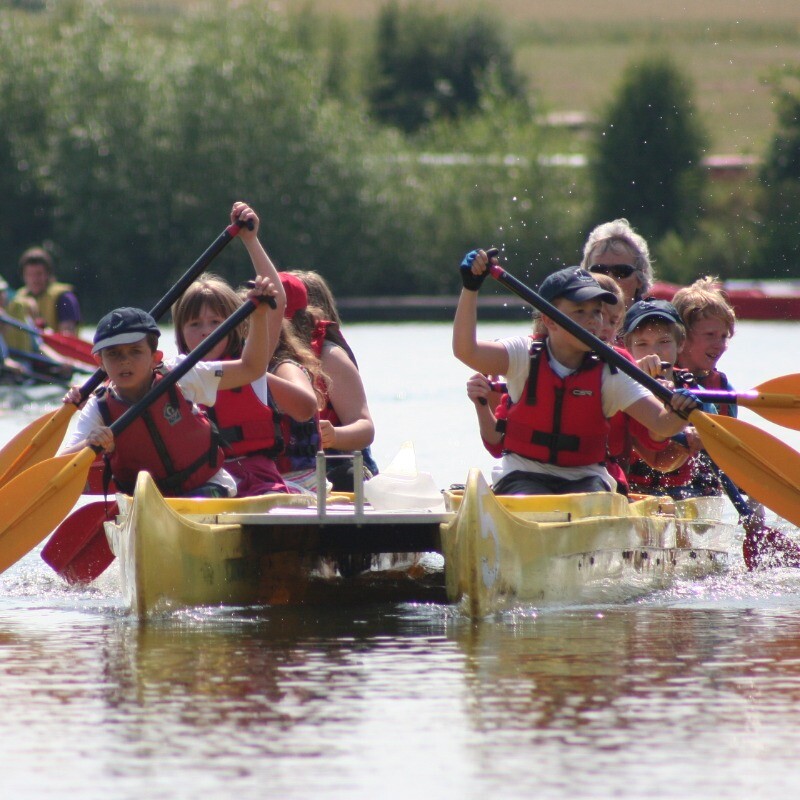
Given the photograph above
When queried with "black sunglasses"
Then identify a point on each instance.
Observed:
(617, 271)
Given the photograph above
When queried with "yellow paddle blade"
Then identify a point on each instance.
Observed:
(784, 384)
(777, 400)
(766, 468)
(35, 442)
(34, 503)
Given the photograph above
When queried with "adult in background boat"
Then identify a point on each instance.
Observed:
(249, 433)
(560, 395)
(43, 300)
(345, 420)
(614, 248)
(11, 371)
(173, 439)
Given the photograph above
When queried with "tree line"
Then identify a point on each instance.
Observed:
(123, 145)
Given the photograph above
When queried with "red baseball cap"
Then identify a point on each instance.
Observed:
(296, 294)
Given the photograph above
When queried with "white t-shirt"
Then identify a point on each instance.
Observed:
(198, 385)
(618, 390)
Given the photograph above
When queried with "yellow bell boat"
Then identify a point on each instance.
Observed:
(498, 552)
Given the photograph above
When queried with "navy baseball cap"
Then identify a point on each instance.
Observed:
(649, 309)
(574, 284)
(123, 326)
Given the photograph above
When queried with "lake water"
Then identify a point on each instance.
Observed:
(690, 693)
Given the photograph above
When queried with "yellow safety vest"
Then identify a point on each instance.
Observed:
(20, 308)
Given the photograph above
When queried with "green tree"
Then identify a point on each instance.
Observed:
(780, 179)
(647, 150)
(136, 140)
(430, 65)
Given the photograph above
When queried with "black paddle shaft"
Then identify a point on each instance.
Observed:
(211, 252)
(606, 353)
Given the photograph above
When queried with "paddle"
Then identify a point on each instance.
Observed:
(38, 358)
(761, 543)
(78, 549)
(777, 400)
(33, 503)
(70, 347)
(766, 468)
(42, 437)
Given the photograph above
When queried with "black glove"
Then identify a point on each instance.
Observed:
(471, 281)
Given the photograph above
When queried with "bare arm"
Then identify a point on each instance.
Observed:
(480, 392)
(666, 460)
(292, 391)
(349, 400)
(258, 347)
(655, 417)
(487, 357)
(263, 266)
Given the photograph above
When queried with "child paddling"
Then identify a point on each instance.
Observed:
(249, 433)
(174, 440)
(560, 395)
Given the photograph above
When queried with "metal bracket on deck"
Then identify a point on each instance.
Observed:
(358, 480)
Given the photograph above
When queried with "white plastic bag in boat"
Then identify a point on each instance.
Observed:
(401, 487)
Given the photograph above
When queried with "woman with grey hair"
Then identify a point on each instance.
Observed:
(614, 248)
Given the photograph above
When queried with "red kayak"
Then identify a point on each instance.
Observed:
(764, 300)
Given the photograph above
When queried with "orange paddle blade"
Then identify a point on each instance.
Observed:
(35, 442)
(36, 501)
(777, 400)
(766, 468)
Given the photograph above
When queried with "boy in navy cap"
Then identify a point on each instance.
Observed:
(172, 439)
(560, 395)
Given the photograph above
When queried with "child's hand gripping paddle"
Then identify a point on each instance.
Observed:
(42, 437)
(33, 503)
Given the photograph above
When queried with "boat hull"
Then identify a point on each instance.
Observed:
(272, 550)
(502, 552)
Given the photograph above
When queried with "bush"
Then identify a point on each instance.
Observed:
(780, 178)
(138, 142)
(647, 152)
(430, 65)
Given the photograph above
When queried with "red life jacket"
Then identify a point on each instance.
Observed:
(557, 420)
(648, 480)
(245, 424)
(172, 442)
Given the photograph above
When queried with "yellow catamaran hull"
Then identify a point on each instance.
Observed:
(498, 551)
(581, 548)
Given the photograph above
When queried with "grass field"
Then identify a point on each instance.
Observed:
(574, 51)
